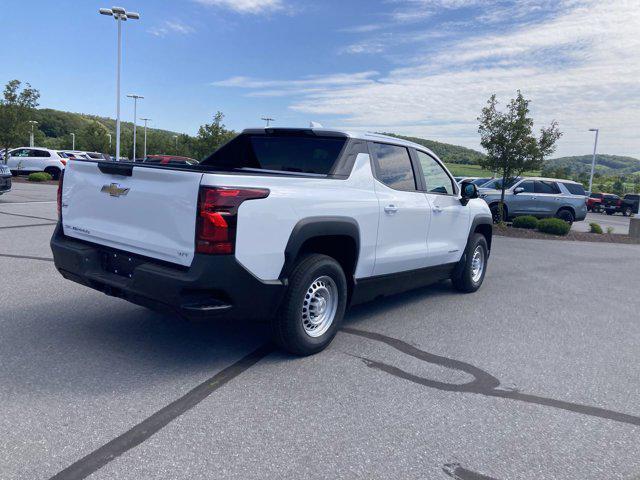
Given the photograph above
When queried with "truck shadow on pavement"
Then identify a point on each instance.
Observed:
(483, 383)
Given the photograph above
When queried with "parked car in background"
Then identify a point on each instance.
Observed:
(539, 197)
(5, 179)
(35, 159)
(626, 206)
(168, 160)
(594, 202)
(634, 200)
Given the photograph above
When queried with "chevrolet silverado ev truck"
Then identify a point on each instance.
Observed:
(286, 225)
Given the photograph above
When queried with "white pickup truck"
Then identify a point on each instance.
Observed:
(286, 225)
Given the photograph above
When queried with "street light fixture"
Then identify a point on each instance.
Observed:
(120, 15)
(73, 141)
(135, 120)
(145, 120)
(593, 161)
(31, 142)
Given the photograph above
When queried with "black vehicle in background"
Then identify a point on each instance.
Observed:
(626, 206)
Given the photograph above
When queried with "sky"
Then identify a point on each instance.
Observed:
(416, 67)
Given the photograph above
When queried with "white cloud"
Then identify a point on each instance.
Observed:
(579, 66)
(171, 27)
(246, 6)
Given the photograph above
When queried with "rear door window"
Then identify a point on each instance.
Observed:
(541, 186)
(575, 189)
(393, 167)
(297, 153)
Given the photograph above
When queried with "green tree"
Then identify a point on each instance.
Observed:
(618, 186)
(93, 137)
(211, 136)
(510, 143)
(16, 105)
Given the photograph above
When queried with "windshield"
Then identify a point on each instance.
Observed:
(302, 153)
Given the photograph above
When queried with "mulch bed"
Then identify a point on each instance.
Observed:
(23, 179)
(507, 231)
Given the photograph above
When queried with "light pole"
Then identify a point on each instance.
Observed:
(135, 120)
(109, 135)
(73, 141)
(268, 120)
(176, 139)
(593, 161)
(145, 120)
(32, 122)
(120, 15)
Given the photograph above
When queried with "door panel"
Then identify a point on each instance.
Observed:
(523, 203)
(449, 225)
(403, 211)
(547, 197)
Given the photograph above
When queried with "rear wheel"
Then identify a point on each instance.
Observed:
(313, 306)
(470, 272)
(565, 215)
(54, 172)
(627, 212)
(610, 212)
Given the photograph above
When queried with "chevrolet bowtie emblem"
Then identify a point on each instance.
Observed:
(114, 190)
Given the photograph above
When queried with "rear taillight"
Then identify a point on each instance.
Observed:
(63, 161)
(59, 196)
(218, 217)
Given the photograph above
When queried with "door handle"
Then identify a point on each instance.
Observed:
(437, 208)
(390, 209)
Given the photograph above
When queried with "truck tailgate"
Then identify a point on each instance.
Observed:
(151, 213)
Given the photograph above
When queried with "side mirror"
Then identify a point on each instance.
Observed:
(518, 190)
(468, 191)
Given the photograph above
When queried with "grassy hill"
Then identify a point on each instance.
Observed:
(450, 154)
(605, 164)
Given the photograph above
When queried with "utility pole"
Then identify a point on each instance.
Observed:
(268, 120)
(109, 135)
(31, 140)
(145, 136)
(175, 137)
(120, 15)
(593, 161)
(73, 141)
(135, 120)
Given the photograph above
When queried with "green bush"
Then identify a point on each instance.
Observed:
(610, 230)
(39, 177)
(595, 228)
(553, 226)
(526, 221)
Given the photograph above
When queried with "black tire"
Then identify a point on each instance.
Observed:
(627, 212)
(494, 212)
(288, 326)
(463, 278)
(54, 172)
(610, 212)
(565, 215)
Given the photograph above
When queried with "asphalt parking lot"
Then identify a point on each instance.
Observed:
(535, 376)
(618, 222)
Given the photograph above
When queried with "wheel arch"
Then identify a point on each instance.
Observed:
(568, 208)
(482, 224)
(337, 237)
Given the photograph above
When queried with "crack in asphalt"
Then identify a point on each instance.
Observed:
(482, 384)
(160, 419)
(28, 257)
(25, 226)
(27, 216)
(458, 472)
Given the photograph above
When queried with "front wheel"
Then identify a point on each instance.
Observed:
(627, 212)
(313, 306)
(470, 273)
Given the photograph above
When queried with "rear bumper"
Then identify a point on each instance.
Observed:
(213, 286)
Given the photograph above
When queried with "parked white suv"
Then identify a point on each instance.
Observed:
(34, 159)
(286, 225)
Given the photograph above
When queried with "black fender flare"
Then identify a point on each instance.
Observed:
(487, 222)
(312, 227)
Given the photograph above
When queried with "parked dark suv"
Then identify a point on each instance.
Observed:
(626, 206)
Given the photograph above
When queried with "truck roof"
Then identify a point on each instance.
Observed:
(345, 133)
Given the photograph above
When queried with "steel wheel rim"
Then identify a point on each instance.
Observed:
(477, 264)
(319, 306)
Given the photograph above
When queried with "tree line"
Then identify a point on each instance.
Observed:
(18, 106)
